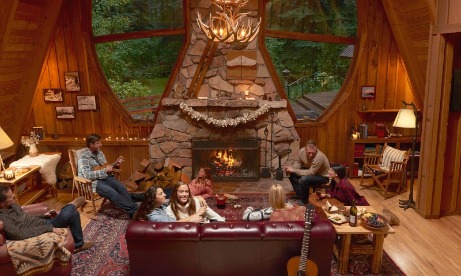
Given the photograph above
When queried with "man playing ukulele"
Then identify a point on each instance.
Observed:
(92, 165)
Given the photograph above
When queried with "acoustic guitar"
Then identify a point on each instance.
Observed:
(300, 265)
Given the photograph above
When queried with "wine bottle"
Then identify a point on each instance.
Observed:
(353, 215)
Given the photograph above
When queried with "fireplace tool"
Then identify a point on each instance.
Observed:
(265, 172)
(272, 136)
(279, 172)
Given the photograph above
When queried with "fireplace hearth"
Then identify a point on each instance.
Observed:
(228, 160)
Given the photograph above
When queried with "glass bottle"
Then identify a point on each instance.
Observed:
(353, 215)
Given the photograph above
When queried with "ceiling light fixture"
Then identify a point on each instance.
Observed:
(228, 26)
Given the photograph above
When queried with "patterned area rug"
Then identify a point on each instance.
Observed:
(109, 256)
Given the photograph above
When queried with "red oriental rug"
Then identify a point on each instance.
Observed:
(109, 256)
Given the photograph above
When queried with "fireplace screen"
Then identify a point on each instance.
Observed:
(228, 160)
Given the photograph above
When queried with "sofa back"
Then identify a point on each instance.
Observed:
(231, 248)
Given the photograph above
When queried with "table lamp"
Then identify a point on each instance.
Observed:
(408, 118)
(5, 142)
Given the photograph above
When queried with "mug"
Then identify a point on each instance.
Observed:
(221, 201)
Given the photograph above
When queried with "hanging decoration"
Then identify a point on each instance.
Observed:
(228, 26)
(245, 118)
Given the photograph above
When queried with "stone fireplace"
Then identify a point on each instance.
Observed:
(179, 135)
(228, 160)
(224, 93)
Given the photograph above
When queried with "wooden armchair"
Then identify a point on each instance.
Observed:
(388, 170)
(84, 186)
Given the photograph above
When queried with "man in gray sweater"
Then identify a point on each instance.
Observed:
(311, 169)
(18, 225)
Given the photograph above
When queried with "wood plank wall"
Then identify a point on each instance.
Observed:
(70, 50)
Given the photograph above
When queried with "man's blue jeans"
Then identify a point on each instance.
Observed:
(69, 217)
(301, 184)
(115, 192)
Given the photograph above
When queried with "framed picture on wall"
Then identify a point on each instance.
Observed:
(53, 94)
(65, 112)
(368, 92)
(72, 81)
(86, 103)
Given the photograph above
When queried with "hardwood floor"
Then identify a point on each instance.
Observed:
(419, 247)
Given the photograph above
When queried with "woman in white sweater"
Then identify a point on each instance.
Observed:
(183, 205)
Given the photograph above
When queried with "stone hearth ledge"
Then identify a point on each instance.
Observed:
(222, 102)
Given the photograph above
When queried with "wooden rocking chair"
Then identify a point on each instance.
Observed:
(83, 185)
(388, 170)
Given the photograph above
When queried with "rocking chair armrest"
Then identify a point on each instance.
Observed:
(82, 180)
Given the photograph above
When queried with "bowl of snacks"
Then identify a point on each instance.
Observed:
(373, 220)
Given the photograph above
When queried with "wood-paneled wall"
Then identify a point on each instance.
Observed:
(71, 50)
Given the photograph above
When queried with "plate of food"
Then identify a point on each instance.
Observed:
(373, 220)
(337, 218)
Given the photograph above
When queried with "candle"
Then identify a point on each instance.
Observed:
(247, 92)
(354, 136)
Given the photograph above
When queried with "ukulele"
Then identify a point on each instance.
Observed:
(300, 265)
(115, 165)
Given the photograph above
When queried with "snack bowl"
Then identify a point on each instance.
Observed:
(373, 220)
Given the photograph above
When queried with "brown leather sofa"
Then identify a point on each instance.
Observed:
(6, 267)
(230, 248)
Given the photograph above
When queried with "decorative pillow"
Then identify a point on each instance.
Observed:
(391, 154)
(290, 214)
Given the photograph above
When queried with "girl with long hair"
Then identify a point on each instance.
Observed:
(153, 208)
(342, 189)
(277, 201)
(184, 205)
(201, 185)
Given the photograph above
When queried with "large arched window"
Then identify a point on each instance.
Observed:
(137, 43)
(310, 43)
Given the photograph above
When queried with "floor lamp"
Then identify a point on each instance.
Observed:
(408, 118)
(5, 142)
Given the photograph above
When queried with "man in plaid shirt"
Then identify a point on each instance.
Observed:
(104, 183)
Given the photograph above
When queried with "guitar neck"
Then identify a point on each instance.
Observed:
(305, 247)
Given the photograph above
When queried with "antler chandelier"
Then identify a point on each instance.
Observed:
(228, 26)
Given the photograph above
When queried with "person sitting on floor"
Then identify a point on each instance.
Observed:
(153, 208)
(342, 189)
(18, 225)
(201, 185)
(277, 201)
(183, 205)
(92, 165)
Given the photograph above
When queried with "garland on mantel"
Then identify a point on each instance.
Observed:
(245, 118)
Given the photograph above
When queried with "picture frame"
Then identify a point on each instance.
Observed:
(53, 94)
(86, 103)
(72, 81)
(65, 112)
(368, 92)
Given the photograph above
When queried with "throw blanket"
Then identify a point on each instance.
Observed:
(38, 254)
(47, 163)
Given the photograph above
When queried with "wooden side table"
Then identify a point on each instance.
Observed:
(27, 184)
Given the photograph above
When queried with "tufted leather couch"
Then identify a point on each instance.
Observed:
(230, 248)
(6, 267)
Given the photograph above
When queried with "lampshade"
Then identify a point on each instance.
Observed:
(405, 119)
(5, 141)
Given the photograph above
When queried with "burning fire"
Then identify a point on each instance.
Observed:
(225, 158)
